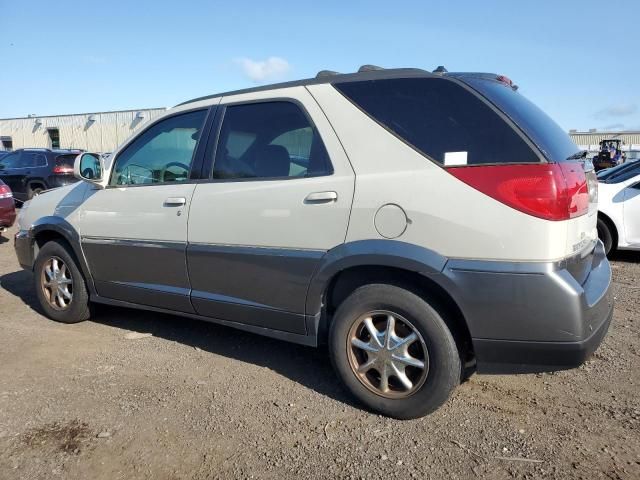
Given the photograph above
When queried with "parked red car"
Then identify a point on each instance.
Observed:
(7, 207)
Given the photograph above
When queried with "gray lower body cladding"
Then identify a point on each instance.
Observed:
(264, 287)
(23, 245)
(522, 317)
(532, 317)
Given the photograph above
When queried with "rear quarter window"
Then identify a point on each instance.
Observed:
(441, 119)
(549, 137)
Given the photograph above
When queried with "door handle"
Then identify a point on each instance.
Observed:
(321, 197)
(175, 202)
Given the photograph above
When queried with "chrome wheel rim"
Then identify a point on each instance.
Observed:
(387, 354)
(57, 283)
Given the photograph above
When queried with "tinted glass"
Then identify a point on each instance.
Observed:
(161, 154)
(10, 161)
(269, 140)
(620, 173)
(441, 119)
(550, 138)
(33, 160)
(65, 160)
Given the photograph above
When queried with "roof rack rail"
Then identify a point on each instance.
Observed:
(369, 68)
(326, 73)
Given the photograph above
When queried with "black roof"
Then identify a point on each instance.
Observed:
(326, 76)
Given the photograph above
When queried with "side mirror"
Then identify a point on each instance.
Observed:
(89, 167)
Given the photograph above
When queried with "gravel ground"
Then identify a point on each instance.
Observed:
(196, 400)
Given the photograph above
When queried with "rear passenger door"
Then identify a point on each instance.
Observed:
(278, 198)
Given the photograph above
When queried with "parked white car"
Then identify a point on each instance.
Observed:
(619, 207)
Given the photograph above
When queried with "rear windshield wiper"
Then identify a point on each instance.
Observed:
(578, 155)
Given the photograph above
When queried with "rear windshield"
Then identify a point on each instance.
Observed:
(65, 160)
(551, 139)
(441, 119)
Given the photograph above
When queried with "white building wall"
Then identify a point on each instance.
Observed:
(103, 134)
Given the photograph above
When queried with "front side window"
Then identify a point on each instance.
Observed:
(440, 119)
(269, 140)
(162, 154)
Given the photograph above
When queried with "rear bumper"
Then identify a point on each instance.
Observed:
(504, 356)
(536, 317)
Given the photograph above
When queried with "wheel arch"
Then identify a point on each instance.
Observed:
(37, 181)
(613, 228)
(49, 228)
(383, 261)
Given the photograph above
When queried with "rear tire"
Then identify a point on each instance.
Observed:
(605, 234)
(399, 379)
(34, 191)
(60, 286)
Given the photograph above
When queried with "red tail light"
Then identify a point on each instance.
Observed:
(553, 191)
(61, 170)
(5, 192)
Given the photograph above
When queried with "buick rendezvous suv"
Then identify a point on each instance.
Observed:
(423, 225)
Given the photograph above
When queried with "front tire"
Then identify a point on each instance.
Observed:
(605, 234)
(60, 286)
(393, 351)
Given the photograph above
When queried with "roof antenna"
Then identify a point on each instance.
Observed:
(440, 69)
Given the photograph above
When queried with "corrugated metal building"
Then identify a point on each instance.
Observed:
(589, 140)
(104, 131)
(94, 132)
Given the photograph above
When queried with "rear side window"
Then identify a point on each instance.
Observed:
(440, 119)
(33, 160)
(269, 140)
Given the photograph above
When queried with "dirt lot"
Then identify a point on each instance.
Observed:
(196, 400)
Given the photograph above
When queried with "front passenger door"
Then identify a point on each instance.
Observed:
(134, 232)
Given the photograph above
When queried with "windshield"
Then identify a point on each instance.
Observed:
(550, 138)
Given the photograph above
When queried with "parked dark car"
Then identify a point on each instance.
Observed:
(3, 153)
(31, 171)
(7, 207)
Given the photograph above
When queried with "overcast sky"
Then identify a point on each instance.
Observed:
(578, 60)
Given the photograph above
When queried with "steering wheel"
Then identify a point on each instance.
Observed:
(172, 164)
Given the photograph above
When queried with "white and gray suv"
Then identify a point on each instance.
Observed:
(423, 225)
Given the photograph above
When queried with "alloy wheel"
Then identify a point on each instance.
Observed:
(57, 283)
(387, 354)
